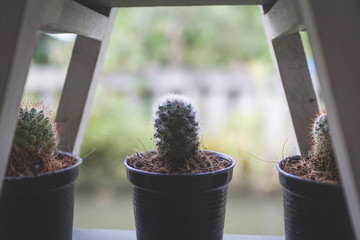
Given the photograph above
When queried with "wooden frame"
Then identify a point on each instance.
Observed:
(334, 41)
(282, 25)
(79, 89)
(90, 24)
(328, 24)
(338, 70)
(20, 21)
(336, 49)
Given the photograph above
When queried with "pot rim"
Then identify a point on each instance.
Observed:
(221, 155)
(78, 162)
(300, 179)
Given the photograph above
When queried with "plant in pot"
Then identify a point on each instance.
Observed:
(179, 191)
(314, 203)
(37, 198)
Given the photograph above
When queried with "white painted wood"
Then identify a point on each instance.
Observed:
(81, 80)
(154, 3)
(19, 21)
(109, 234)
(334, 34)
(72, 17)
(283, 18)
(290, 63)
(298, 86)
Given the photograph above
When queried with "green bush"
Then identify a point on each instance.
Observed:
(115, 127)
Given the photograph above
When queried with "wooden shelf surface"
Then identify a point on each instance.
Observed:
(107, 234)
(154, 3)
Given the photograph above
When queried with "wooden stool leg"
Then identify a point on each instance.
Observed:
(19, 21)
(334, 34)
(78, 92)
(298, 86)
(282, 22)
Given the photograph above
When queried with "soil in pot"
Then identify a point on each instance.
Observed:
(307, 168)
(202, 162)
(33, 166)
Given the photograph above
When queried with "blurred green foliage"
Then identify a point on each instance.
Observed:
(116, 128)
(41, 54)
(52, 50)
(203, 36)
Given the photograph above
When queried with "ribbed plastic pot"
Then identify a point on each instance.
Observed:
(39, 207)
(180, 207)
(313, 210)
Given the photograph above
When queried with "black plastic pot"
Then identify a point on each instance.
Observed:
(180, 207)
(313, 210)
(39, 207)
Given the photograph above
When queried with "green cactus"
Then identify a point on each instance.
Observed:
(176, 129)
(35, 139)
(321, 149)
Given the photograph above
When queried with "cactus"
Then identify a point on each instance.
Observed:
(321, 151)
(35, 139)
(176, 135)
(319, 165)
(176, 129)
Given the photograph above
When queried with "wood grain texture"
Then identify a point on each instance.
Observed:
(19, 21)
(334, 35)
(72, 17)
(154, 3)
(102, 234)
(79, 88)
(283, 18)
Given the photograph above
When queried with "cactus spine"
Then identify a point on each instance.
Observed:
(322, 153)
(35, 139)
(176, 129)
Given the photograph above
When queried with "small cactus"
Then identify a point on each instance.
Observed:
(321, 149)
(35, 139)
(319, 165)
(176, 129)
